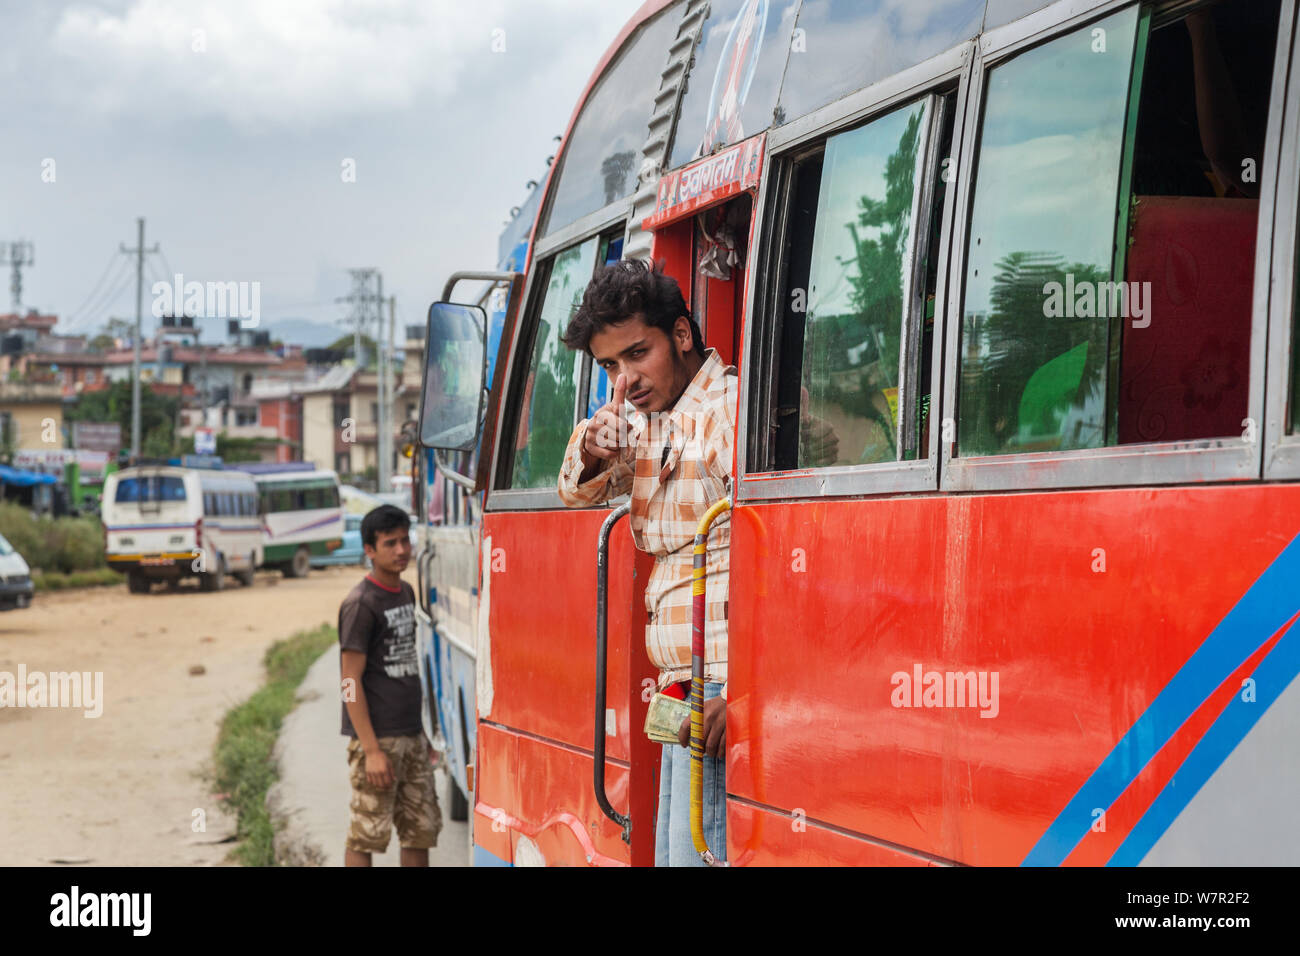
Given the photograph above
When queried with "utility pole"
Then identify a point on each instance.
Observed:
(386, 390)
(139, 252)
(381, 381)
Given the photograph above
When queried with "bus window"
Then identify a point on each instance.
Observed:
(597, 380)
(150, 488)
(1090, 323)
(599, 162)
(1294, 424)
(1027, 381)
(869, 41)
(1204, 97)
(551, 389)
(733, 85)
(853, 313)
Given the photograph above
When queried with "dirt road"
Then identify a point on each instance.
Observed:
(122, 788)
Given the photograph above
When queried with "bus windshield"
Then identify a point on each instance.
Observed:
(150, 488)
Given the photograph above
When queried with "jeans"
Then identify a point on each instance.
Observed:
(673, 844)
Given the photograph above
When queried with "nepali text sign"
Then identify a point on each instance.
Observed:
(51, 461)
(97, 436)
(708, 181)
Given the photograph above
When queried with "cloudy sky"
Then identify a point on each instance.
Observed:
(229, 126)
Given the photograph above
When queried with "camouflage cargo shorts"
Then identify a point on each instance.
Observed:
(411, 803)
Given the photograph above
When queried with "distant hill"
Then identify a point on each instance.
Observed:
(304, 332)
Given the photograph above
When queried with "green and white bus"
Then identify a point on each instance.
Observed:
(301, 515)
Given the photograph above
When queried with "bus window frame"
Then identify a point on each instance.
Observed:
(1282, 451)
(786, 146)
(548, 239)
(1151, 463)
(614, 220)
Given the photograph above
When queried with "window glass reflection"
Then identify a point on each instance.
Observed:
(858, 281)
(600, 159)
(732, 89)
(844, 45)
(1044, 211)
(551, 389)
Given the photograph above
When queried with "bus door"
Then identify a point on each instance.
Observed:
(535, 799)
(703, 223)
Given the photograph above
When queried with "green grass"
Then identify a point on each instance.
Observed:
(57, 580)
(244, 769)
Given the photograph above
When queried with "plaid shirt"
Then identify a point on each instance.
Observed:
(675, 465)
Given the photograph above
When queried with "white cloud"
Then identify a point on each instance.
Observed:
(288, 63)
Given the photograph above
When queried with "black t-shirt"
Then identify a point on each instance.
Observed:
(381, 623)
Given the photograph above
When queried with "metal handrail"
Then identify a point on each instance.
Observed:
(698, 570)
(602, 601)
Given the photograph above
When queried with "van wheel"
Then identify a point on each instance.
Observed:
(137, 583)
(300, 565)
(216, 580)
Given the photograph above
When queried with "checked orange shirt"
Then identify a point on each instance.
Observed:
(675, 465)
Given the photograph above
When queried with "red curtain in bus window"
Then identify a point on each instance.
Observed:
(1186, 374)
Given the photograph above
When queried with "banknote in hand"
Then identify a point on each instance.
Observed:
(664, 717)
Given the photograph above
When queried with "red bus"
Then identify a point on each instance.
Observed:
(1010, 286)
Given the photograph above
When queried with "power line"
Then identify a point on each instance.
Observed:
(162, 255)
(115, 258)
(122, 282)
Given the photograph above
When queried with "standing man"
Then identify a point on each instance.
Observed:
(674, 454)
(392, 776)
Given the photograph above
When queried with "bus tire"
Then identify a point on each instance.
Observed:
(137, 583)
(215, 580)
(300, 565)
(245, 577)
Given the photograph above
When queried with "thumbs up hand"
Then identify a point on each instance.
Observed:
(607, 430)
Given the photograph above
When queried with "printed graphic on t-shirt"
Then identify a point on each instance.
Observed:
(399, 650)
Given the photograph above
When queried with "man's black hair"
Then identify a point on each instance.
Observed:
(623, 289)
(383, 518)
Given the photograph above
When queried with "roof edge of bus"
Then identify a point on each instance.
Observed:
(646, 11)
(293, 475)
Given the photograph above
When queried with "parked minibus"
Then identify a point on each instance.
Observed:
(166, 522)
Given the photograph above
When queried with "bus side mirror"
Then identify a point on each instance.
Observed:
(455, 368)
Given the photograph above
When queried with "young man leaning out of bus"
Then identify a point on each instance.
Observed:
(389, 757)
(673, 453)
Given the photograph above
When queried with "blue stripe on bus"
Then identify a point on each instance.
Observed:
(1268, 604)
(1273, 675)
(484, 858)
(148, 527)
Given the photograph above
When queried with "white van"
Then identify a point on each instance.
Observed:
(15, 578)
(166, 523)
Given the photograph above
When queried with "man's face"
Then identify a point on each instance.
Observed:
(391, 551)
(656, 365)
